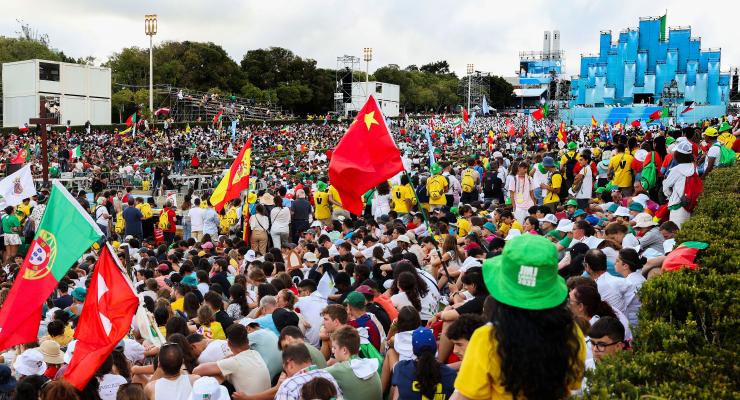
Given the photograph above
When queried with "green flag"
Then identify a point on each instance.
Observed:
(66, 231)
(663, 27)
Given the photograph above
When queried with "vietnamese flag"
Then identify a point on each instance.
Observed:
(236, 179)
(66, 231)
(365, 156)
(540, 113)
(110, 306)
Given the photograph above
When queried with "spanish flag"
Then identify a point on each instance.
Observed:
(593, 122)
(236, 179)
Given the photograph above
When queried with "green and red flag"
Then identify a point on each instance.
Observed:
(66, 231)
(541, 112)
(23, 156)
(658, 114)
(217, 117)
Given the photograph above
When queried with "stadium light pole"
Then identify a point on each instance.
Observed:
(150, 28)
(368, 56)
(470, 74)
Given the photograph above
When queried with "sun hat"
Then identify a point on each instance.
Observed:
(79, 294)
(593, 220)
(669, 140)
(490, 227)
(556, 234)
(267, 199)
(612, 208)
(724, 127)
(684, 148)
(189, 280)
(7, 381)
(30, 362)
(622, 212)
(315, 224)
(435, 169)
(644, 220)
(51, 351)
(578, 213)
(572, 145)
(571, 202)
(525, 275)
(404, 238)
(551, 218)
(207, 245)
(497, 154)
(635, 206)
(565, 225)
(423, 339)
(310, 257)
(548, 162)
(355, 299)
(250, 255)
(711, 132)
(208, 388)
(321, 186)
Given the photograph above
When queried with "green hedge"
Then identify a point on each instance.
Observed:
(688, 338)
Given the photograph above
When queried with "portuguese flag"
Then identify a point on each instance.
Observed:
(658, 114)
(23, 156)
(541, 113)
(66, 231)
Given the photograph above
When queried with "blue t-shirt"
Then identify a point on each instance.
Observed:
(403, 379)
(265, 342)
(132, 217)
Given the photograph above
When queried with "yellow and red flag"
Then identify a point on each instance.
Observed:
(562, 137)
(236, 179)
(593, 122)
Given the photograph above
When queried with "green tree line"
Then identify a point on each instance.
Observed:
(269, 75)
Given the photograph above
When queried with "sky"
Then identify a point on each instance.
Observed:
(489, 34)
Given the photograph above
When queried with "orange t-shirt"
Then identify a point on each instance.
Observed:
(387, 305)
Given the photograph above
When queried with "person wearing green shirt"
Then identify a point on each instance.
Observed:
(357, 377)
(11, 229)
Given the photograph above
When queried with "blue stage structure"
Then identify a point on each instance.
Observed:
(640, 73)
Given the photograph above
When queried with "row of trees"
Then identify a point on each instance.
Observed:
(273, 75)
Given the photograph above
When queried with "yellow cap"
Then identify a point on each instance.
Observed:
(252, 197)
(711, 132)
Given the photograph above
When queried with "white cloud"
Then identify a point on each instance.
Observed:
(488, 34)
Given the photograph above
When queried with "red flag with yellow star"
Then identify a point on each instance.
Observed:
(365, 157)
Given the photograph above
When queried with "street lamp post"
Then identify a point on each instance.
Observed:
(368, 56)
(150, 28)
(470, 74)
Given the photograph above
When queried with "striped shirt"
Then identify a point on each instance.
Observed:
(290, 389)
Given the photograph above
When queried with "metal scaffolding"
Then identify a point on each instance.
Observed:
(480, 83)
(345, 77)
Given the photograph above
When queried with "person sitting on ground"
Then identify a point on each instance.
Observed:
(459, 333)
(425, 377)
(174, 384)
(299, 370)
(357, 377)
(607, 338)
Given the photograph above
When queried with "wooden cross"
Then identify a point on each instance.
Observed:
(41, 122)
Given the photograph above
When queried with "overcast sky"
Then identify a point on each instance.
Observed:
(488, 34)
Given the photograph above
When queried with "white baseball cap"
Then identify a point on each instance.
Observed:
(565, 225)
(644, 220)
(622, 212)
(551, 218)
(310, 257)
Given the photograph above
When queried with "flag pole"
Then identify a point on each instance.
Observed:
(429, 227)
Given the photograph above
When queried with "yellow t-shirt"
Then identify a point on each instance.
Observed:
(556, 181)
(463, 227)
(621, 164)
(25, 209)
(400, 194)
(564, 159)
(178, 304)
(480, 372)
(441, 182)
(322, 210)
(334, 194)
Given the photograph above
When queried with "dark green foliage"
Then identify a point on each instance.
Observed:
(687, 342)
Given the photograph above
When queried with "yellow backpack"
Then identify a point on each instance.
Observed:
(468, 182)
(120, 226)
(146, 211)
(164, 221)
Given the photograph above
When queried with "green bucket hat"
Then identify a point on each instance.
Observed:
(436, 169)
(669, 140)
(79, 294)
(724, 127)
(635, 206)
(321, 186)
(525, 275)
(572, 145)
(556, 234)
(578, 213)
(571, 202)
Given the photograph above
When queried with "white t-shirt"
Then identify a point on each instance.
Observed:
(400, 300)
(100, 215)
(713, 152)
(215, 351)
(109, 386)
(587, 184)
(196, 219)
(310, 307)
(280, 218)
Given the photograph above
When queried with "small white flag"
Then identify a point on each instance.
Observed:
(17, 186)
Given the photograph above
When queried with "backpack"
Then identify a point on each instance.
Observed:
(436, 189)
(164, 221)
(726, 156)
(563, 192)
(570, 164)
(693, 187)
(488, 182)
(649, 174)
(120, 226)
(468, 183)
(146, 211)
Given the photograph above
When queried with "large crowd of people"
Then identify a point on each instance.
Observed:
(503, 263)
